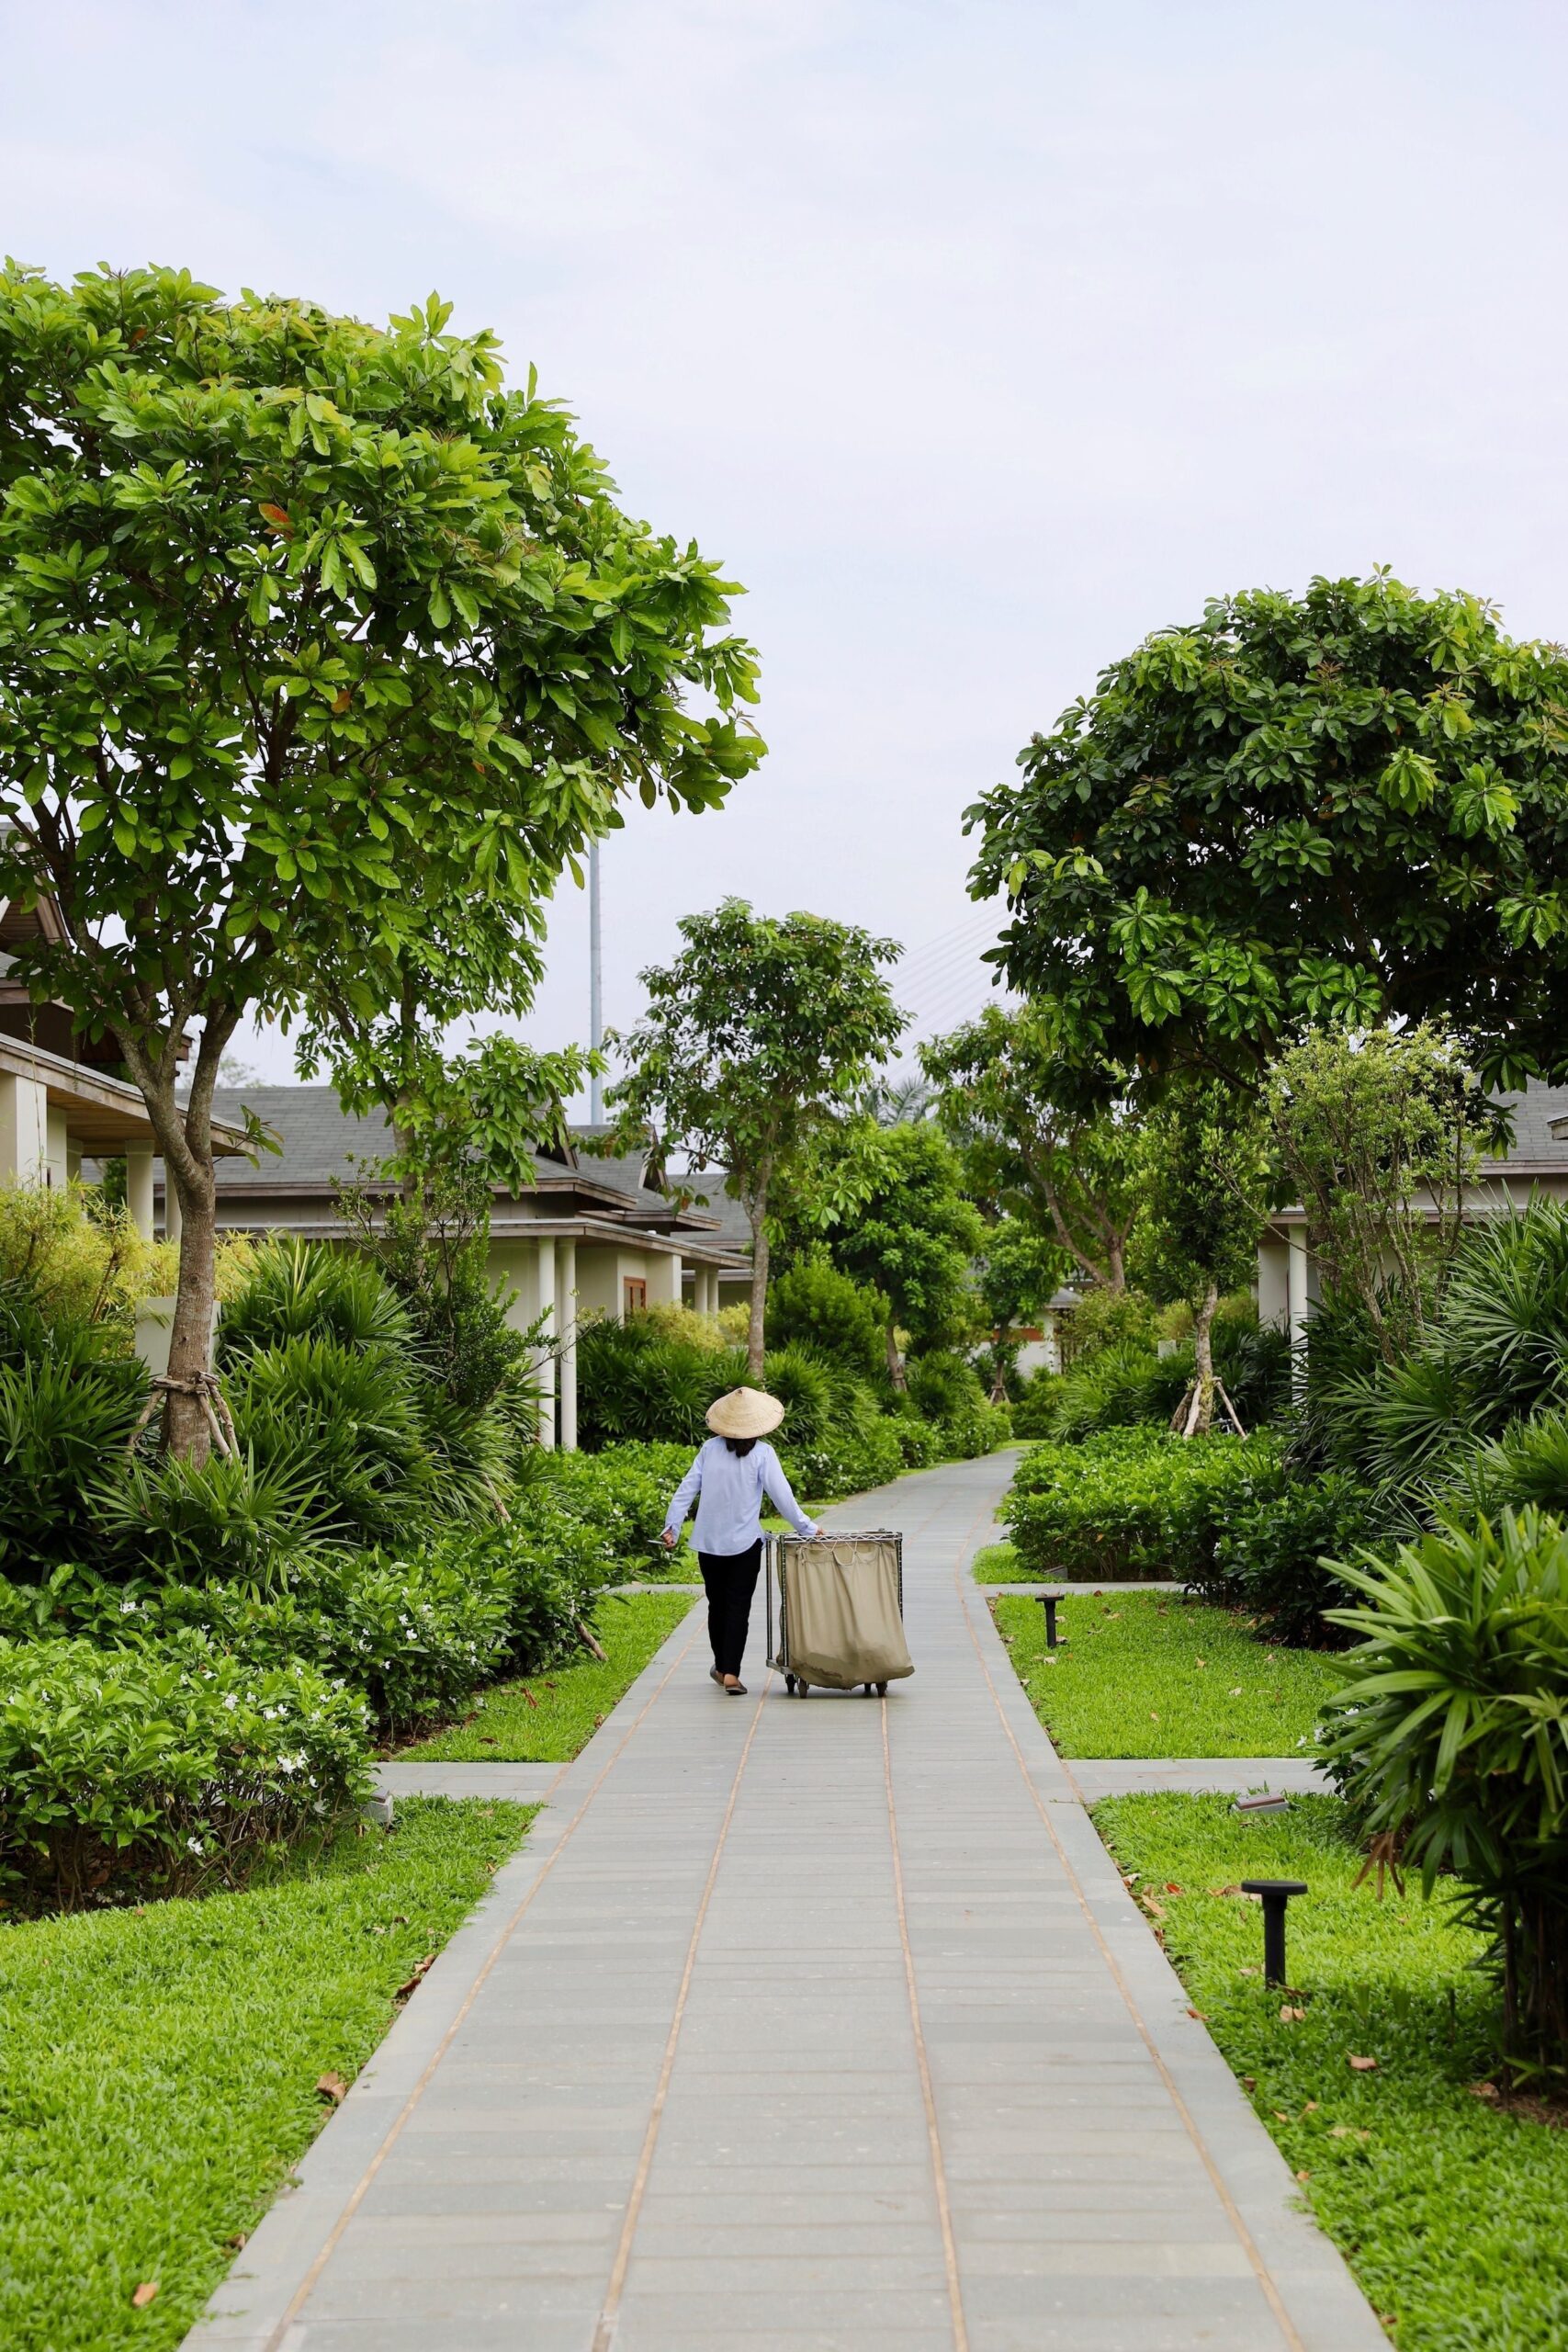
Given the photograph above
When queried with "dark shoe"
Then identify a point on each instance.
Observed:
(736, 1689)
(715, 1675)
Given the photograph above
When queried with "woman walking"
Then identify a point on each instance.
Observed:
(732, 1473)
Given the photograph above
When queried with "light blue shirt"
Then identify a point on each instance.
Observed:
(729, 1515)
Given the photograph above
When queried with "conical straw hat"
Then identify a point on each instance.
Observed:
(745, 1412)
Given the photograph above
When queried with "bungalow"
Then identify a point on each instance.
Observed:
(62, 1099)
(589, 1238)
(1535, 1167)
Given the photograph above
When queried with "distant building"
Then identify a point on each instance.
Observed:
(589, 1238)
(1535, 1167)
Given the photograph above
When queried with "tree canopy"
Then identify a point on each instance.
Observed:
(1075, 1177)
(762, 1030)
(321, 655)
(1339, 808)
(889, 1202)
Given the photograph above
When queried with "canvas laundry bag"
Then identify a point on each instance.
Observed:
(841, 1600)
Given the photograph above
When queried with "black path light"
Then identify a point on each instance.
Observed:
(1276, 1892)
(1048, 1603)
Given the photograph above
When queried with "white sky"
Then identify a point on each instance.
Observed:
(977, 340)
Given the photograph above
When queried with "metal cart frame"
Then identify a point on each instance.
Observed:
(774, 1551)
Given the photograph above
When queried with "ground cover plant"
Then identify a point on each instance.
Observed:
(548, 1718)
(999, 1564)
(1150, 1674)
(1447, 2203)
(159, 2069)
(1129, 1503)
(1447, 1742)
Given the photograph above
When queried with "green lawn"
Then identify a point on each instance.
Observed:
(1000, 1563)
(1449, 2210)
(158, 2068)
(548, 1718)
(1149, 1674)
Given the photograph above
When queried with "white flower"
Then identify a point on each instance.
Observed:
(290, 1763)
(230, 1699)
(194, 1846)
(128, 1608)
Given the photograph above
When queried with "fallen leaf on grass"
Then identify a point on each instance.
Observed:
(1224, 1890)
(1155, 1910)
(1362, 2065)
(332, 2086)
(1200, 2014)
(1153, 1718)
(240, 2239)
(144, 2294)
(420, 1966)
(489, 1739)
(1288, 2015)
(1484, 2090)
(1303, 2175)
(1347, 2131)
(529, 1696)
(1311, 2108)
(1239, 1692)
(1250, 2082)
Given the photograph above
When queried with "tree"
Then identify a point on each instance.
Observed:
(890, 1205)
(1020, 1270)
(1337, 808)
(1208, 1167)
(760, 1034)
(321, 654)
(1364, 1127)
(1076, 1176)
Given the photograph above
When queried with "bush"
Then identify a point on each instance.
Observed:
(1034, 1414)
(622, 1493)
(1448, 1740)
(347, 1418)
(1274, 1555)
(140, 1771)
(817, 1304)
(1136, 1504)
(1106, 1318)
(224, 1517)
(66, 1413)
(636, 1384)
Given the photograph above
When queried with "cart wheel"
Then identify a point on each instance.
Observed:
(882, 1689)
(789, 1684)
(802, 1689)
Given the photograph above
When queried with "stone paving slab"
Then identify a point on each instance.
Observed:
(1240, 1776)
(819, 2026)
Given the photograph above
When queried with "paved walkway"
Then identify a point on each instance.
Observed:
(802, 2027)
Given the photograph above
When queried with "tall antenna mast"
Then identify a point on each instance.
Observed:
(595, 984)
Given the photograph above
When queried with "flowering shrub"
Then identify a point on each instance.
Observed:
(158, 1770)
(1134, 1502)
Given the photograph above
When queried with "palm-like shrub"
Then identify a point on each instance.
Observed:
(300, 1290)
(1451, 1738)
(251, 1523)
(64, 1413)
(1494, 1356)
(346, 1416)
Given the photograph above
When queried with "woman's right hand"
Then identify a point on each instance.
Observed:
(667, 1539)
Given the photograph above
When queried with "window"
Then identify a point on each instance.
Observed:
(634, 1299)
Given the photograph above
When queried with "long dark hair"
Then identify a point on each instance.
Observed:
(740, 1445)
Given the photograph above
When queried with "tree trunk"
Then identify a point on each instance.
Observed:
(190, 1335)
(1116, 1266)
(185, 1144)
(896, 1373)
(756, 1341)
(1204, 1363)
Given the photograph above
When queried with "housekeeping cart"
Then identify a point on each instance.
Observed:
(840, 1611)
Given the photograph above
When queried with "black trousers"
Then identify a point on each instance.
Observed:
(730, 1579)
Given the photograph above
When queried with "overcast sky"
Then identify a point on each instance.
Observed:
(977, 340)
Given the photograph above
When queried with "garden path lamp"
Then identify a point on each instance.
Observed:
(1048, 1603)
(1274, 1893)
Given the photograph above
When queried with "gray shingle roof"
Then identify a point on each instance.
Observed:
(1534, 1112)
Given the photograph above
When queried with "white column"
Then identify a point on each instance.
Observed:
(547, 1368)
(173, 1215)
(139, 1190)
(566, 1328)
(1296, 1287)
(706, 1289)
(23, 1131)
(59, 1149)
(1273, 1282)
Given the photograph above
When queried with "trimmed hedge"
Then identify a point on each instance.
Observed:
(146, 1770)
(1276, 1554)
(1134, 1503)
